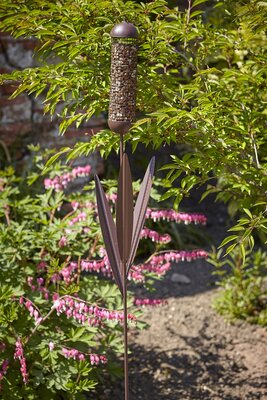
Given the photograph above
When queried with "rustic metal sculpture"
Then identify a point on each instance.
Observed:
(121, 239)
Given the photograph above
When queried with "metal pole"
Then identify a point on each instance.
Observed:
(125, 334)
(121, 149)
(125, 322)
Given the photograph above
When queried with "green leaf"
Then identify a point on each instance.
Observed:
(248, 212)
(230, 249)
(236, 228)
(54, 158)
(228, 239)
(243, 253)
(198, 2)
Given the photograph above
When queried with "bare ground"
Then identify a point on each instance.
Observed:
(191, 353)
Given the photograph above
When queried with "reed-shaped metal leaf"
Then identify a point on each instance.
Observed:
(124, 210)
(109, 232)
(140, 210)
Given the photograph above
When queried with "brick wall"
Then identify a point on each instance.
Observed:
(21, 119)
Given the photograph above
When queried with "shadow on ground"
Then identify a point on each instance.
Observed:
(200, 369)
(197, 373)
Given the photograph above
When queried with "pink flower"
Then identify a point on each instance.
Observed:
(172, 215)
(4, 368)
(39, 287)
(112, 197)
(42, 266)
(60, 182)
(88, 204)
(85, 314)
(19, 354)
(97, 266)
(29, 282)
(95, 359)
(32, 310)
(63, 241)
(177, 256)
(67, 272)
(81, 217)
(155, 236)
(51, 346)
(158, 264)
(75, 205)
(150, 302)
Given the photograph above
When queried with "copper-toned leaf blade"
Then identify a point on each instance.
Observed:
(140, 209)
(109, 232)
(124, 210)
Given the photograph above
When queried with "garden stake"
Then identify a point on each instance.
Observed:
(121, 239)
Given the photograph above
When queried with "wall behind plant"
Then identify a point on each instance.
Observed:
(22, 119)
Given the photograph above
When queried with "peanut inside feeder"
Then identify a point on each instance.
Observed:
(123, 77)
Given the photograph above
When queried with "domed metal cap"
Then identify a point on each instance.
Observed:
(124, 30)
(121, 127)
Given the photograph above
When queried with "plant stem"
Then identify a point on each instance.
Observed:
(92, 250)
(188, 13)
(254, 146)
(6, 212)
(7, 153)
(37, 326)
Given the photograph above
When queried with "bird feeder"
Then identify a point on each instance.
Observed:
(122, 106)
(122, 237)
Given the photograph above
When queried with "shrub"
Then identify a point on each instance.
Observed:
(60, 311)
(244, 293)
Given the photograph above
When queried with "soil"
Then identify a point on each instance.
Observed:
(189, 352)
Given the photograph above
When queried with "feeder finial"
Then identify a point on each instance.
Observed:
(124, 30)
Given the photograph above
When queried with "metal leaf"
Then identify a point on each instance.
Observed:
(109, 232)
(124, 210)
(140, 209)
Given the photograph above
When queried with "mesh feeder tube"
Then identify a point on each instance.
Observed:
(123, 76)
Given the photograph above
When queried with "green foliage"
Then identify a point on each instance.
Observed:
(245, 229)
(244, 293)
(202, 82)
(32, 222)
(47, 233)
